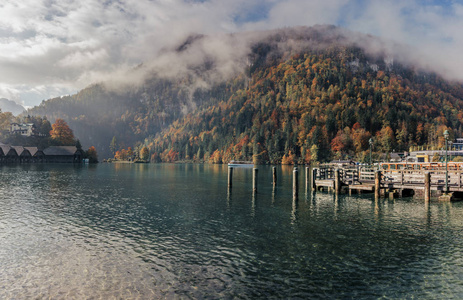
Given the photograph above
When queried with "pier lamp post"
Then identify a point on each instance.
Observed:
(370, 141)
(446, 135)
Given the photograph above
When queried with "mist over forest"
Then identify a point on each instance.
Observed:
(293, 95)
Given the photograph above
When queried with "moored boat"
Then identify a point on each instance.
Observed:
(241, 164)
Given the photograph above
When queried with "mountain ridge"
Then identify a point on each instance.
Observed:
(329, 76)
(11, 106)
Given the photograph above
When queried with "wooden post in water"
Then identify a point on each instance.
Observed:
(377, 184)
(307, 180)
(230, 177)
(274, 173)
(337, 182)
(254, 180)
(427, 187)
(295, 182)
(314, 177)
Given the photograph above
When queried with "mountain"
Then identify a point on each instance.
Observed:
(11, 106)
(282, 96)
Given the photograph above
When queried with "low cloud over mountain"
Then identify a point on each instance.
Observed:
(51, 48)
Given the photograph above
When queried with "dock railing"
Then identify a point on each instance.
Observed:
(391, 178)
(367, 174)
(416, 177)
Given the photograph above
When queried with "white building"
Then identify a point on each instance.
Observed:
(22, 129)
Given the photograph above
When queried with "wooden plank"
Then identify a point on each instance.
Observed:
(363, 187)
(324, 183)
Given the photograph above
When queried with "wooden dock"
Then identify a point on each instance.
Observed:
(425, 183)
(387, 182)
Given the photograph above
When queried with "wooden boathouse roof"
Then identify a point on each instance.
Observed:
(21, 151)
(60, 150)
(34, 151)
(8, 150)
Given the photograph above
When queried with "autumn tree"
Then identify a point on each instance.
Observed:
(144, 154)
(314, 153)
(288, 159)
(386, 138)
(129, 153)
(216, 157)
(61, 133)
(92, 155)
(5, 120)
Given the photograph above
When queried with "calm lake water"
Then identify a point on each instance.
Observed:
(173, 231)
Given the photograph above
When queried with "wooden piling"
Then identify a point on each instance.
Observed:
(295, 182)
(427, 187)
(337, 182)
(377, 184)
(254, 180)
(307, 178)
(230, 177)
(274, 173)
(314, 177)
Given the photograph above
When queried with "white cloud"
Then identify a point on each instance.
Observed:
(434, 31)
(68, 44)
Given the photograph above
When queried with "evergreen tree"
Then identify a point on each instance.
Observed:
(113, 146)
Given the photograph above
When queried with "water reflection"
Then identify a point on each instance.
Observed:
(253, 204)
(229, 193)
(274, 190)
(176, 231)
(428, 214)
(294, 214)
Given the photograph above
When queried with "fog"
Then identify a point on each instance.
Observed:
(49, 48)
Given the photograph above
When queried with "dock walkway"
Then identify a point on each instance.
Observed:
(398, 182)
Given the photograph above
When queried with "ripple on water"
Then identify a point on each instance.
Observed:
(131, 232)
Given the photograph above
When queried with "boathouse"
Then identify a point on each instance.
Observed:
(24, 155)
(37, 155)
(63, 154)
(9, 154)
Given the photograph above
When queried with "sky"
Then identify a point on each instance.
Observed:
(50, 48)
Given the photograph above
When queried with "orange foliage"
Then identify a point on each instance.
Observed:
(62, 133)
(288, 159)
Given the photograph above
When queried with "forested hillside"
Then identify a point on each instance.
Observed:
(317, 106)
(97, 114)
(306, 94)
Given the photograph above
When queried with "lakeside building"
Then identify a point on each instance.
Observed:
(53, 154)
(455, 149)
(36, 154)
(430, 155)
(24, 129)
(458, 145)
(63, 154)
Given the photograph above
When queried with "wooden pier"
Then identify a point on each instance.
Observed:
(389, 182)
(425, 183)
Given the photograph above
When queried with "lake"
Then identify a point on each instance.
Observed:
(168, 231)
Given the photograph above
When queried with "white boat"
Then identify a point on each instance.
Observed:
(241, 164)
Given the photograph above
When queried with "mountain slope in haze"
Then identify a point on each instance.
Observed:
(319, 105)
(97, 114)
(291, 95)
(11, 106)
